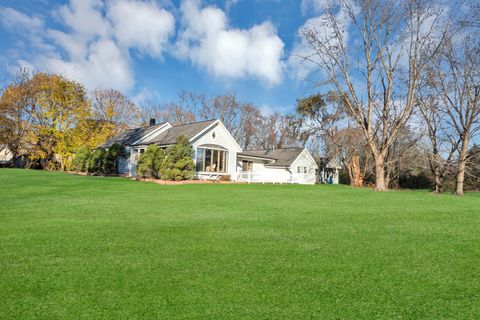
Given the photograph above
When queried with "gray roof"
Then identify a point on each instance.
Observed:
(127, 138)
(188, 130)
(283, 157)
(167, 137)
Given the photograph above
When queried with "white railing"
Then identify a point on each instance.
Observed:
(252, 177)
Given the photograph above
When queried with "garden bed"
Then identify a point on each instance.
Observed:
(170, 182)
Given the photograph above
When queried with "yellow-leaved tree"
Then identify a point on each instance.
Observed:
(57, 107)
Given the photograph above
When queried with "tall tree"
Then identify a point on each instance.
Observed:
(14, 122)
(442, 142)
(457, 83)
(113, 106)
(377, 79)
(56, 107)
(150, 111)
(186, 109)
(326, 119)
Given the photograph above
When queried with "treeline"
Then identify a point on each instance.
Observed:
(252, 128)
(404, 97)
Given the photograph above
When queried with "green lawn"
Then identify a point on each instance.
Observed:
(75, 247)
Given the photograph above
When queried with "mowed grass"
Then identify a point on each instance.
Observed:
(74, 247)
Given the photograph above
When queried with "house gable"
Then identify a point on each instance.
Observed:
(304, 158)
(216, 136)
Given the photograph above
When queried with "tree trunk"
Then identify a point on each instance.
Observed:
(460, 178)
(462, 162)
(380, 173)
(387, 177)
(438, 180)
(356, 178)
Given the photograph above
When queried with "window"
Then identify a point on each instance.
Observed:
(200, 159)
(211, 160)
(247, 165)
(301, 169)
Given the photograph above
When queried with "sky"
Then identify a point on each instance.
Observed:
(152, 50)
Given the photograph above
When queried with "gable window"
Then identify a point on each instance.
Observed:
(301, 169)
(247, 166)
(211, 160)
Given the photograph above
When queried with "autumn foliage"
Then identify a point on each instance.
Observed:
(48, 117)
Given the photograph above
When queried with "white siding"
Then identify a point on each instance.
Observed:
(304, 160)
(223, 139)
(263, 173)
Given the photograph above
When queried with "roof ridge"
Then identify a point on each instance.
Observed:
(147, 126)
(289, 148)
(187, 124)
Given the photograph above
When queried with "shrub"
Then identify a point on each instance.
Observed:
(421, 180)
(178, 164)
(112, 156)
(96, 163)
(150, 162)
(80, 162)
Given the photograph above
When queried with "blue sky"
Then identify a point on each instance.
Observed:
(151, 50)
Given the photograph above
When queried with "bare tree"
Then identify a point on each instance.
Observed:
(150, 111)
(243, 120)
(442, 142)
(397, 39)
(326, 119)
(186, 109)
(113, 106)
(403, 155)
(279, 131)
(457, 83)
(250, 120)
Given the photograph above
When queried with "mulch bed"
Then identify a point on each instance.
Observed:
(170, 182)
(158, 181)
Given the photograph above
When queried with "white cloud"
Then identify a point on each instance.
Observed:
(210, 43)
(301, 62)
(11, 18)
(146, 96)
(141, 25)
(316, 5)
(91, 57)
(104, 65)
(95, 46)
(85, 18)
(95, 40)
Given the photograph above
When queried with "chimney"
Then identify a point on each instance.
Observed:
(152, 121)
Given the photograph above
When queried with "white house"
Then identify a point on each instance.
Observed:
(216, 153)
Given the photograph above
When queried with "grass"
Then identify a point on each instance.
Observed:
(75, 247)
